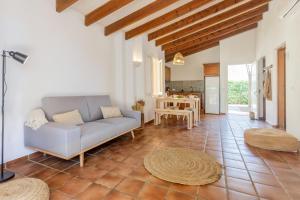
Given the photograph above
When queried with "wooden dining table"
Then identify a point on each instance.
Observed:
(162, 102)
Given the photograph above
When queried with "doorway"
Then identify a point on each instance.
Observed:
(281, 73)
(239, 96)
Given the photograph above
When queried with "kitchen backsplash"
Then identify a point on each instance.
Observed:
(187, 86)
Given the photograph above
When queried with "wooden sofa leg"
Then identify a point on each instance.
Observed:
(132, 134)
(81, 159)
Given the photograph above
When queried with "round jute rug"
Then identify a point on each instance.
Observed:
(24, 189)
(184, 166)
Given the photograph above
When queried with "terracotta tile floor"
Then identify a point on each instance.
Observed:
(115, 171)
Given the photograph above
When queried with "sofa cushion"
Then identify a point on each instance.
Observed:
(110, 111)
(93, 133)
(72, 117)
(94, 104)
(122, 124)
(58, 138)
(56, 105)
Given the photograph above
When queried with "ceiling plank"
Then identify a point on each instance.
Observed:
(61, 5)
(238, 31)
(213, 20)
(182, 10)
(192, 51)
(216, 34)
(193, 18)
(105, 10)
(196, 47)
(137, 15)
(256, 12)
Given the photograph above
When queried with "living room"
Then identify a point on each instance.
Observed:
(116, 51)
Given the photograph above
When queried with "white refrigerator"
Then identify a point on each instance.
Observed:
(212, 95)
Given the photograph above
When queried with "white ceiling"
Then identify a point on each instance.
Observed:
(86, 6)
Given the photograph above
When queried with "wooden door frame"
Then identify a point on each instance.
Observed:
(282, 48)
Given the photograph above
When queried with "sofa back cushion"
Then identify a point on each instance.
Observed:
(56, 105)
(110, 112)
(88, 106)
(71, 118)
(95, 103)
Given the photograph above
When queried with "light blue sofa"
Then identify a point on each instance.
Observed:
(67, 141)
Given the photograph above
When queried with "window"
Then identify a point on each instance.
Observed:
(157, 77)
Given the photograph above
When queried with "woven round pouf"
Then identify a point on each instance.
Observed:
(24, 189)
(271, 139)
(184, 166)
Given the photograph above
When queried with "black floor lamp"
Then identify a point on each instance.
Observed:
(6, 175)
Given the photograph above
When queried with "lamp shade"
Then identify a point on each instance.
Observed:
(178, 59)
(22, 58)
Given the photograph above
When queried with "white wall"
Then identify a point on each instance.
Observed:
(193, 67)
(132, 80)
(272, 33)
(118, 94)
(150, 50)
(239, 49)
(66, 58)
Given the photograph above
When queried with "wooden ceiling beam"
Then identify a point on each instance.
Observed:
(137, 15)
(244, 29)
(61, 5)
(105, 10)
(182, 10)
(192, 51)
(215, 34)
(213, 20)
(194, 48)
(256, 12)
(193, 18)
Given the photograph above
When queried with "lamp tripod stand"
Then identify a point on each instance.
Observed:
(6, 175)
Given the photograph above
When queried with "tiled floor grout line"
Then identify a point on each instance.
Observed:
(272, 171)
(276, 177)
(50, 166)
(205, 142)
(28, 158)
(47, 166)
(252, 182)
(204, 149)
(114, 188)
(225, 132)
(224, 167)
(59, 171)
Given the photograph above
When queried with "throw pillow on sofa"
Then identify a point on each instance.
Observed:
(111, 111)
(72, 118)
